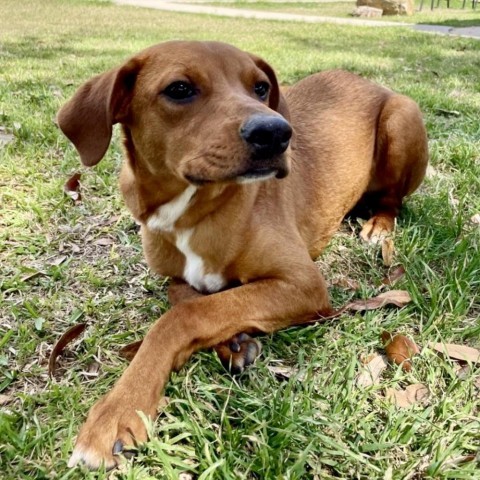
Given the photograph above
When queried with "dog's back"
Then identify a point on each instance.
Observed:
(339, 141)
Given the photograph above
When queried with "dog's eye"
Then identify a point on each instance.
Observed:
(261, 89)
(180, 91)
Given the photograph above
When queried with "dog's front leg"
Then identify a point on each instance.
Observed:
(261, 306)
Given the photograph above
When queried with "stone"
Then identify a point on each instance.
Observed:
(367, 12)
(389, 7)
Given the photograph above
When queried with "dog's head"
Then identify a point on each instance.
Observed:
(202, 111)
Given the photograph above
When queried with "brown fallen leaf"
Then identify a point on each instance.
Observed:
(92, 370)
(104, 242)
(415, 393)
(431, 172)
(400, 298)
(5, 137)
(388, 251)
(4, 399)
(457, 352)
(71, 334)
(346, 283)
(394, 275)
(72, 187)
(130, 350)
(32, 275)
(453, 461)
(284, 373)
(57, 261)
(463, 371)
(400, 349)
(371, 372)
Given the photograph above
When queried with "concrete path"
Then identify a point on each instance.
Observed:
(176, 6)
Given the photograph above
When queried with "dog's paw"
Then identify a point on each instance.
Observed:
(239, 352)
(377, 229)
(112, 426)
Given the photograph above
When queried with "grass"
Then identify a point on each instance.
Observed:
(455, 16)
(55, 272)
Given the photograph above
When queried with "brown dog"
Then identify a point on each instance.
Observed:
(237, 188)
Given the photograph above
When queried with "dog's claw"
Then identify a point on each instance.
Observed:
(377, 229)
(88, 458)
(235, 347)
(239, 352)
(253, 350)
(112, 430)
(117, 447)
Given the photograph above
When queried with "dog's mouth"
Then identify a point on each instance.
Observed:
(256, 171)
(258, 174)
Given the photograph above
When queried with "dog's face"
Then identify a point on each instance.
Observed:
(204, 112)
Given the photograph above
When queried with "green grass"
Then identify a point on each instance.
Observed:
(455, 16)
(317, 424)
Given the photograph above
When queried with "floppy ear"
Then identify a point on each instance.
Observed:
(87, 118)
(276, 100)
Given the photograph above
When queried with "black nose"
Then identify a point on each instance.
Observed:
(268, 135)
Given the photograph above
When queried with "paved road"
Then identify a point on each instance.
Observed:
(176, 6)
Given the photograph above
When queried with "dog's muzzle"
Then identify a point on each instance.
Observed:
(266, 135)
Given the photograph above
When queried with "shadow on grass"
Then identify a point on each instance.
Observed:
(32, 47)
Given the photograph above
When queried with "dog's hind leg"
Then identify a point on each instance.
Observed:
(401, 157)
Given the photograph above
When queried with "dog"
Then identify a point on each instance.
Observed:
(237, 187)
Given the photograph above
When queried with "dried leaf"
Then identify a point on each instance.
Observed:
(394, 275)
(475, 219)
(75, 248)
(346, 283)
(415, 393)
(284, 373)
(447, 113)
(371, 372)
(364, 359)
(431, 172)
(454, 202)
(104, 241)
(400, 349)
(185, 476)
(5, 138)
(32, 275)
(92, 370)
(4, 399)
(72, 187)
(453, 461)
(57, 261)
(400, 298)
(388, 251)
(463, 372)
(457, 352)
(130, 350)
(71, 334)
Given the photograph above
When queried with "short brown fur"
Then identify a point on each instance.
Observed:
(353, 142)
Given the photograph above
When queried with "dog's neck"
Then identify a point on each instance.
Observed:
(165, 203)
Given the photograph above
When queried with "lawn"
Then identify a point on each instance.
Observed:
(454, 16)
(64, 262)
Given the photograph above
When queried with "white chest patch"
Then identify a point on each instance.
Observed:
(166, 215)
(194, 271)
